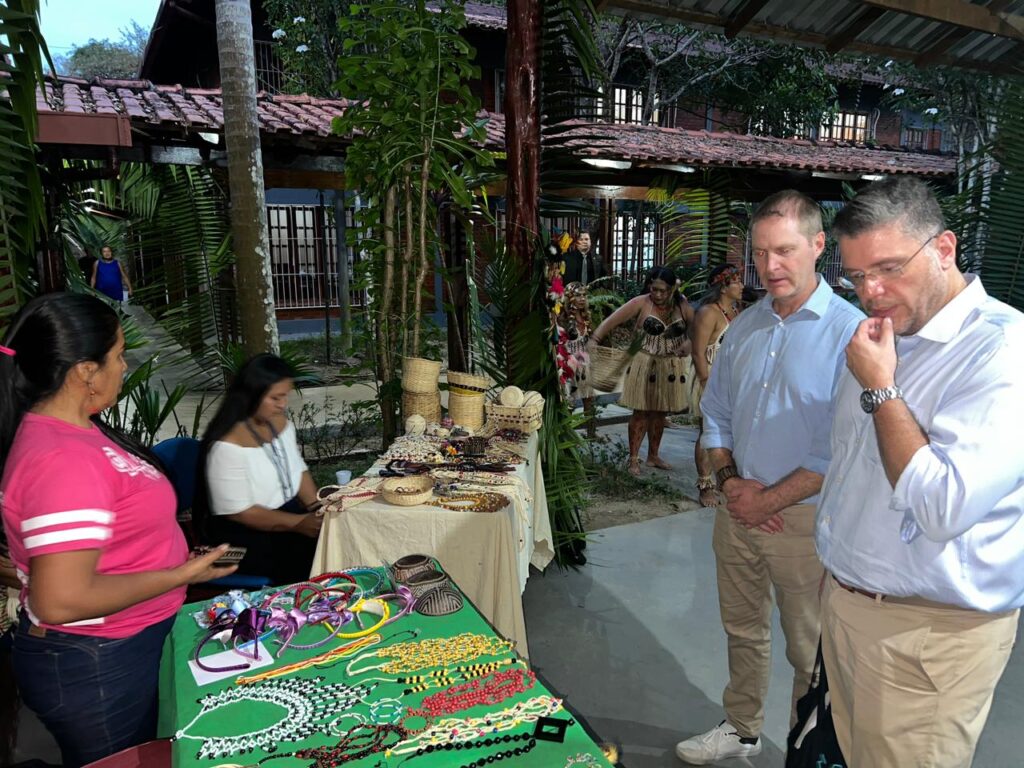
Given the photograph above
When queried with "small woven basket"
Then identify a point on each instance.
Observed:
(606, 367)
(467, 383)
(466, 410)
(419, 375)
(407, 491)
(528, 418)
(426, 405)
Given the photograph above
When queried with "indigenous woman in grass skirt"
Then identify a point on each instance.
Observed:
(658, 377)
(723, 303)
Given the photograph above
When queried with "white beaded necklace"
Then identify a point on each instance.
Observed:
(310, 708)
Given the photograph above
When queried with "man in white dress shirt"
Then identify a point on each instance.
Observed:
(920, 523)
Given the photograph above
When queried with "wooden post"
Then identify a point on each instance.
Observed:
(522, 145)
(344, 295)
(251, 243)
(522, 132)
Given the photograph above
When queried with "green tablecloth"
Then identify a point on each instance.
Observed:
(180, 695)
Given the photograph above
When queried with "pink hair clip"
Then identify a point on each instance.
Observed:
(7, 351)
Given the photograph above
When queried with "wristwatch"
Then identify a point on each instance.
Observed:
(872, 399)
(725, 473)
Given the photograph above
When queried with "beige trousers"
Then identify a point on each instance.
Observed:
(911, 686)
(750, 563)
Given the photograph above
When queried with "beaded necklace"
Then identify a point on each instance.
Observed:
(357, 743)
(453, 730)
(278, 457)
(476, 692)
(309, 707)
(441, 677)
(314, 661)
(490, 741)
(432, 652)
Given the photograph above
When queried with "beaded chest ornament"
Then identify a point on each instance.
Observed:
(309, 708)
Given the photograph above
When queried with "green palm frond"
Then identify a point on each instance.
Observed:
(22, 210)
(1002, 265)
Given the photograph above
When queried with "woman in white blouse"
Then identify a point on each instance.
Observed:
(255, 490)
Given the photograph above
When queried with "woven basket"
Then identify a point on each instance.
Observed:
(606, 367)
(426, 405)
(407, 491)
(466, 410)
(526, 419)
(419, 375)
(466, 383)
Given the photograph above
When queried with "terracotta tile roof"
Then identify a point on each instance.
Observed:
(173, 108)
(485, 16)
(653, 145)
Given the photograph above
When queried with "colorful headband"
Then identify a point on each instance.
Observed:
(7, 351)
(725, 275)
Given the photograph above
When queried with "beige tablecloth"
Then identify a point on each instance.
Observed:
(488, 555)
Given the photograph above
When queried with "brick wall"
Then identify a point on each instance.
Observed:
(887, 130)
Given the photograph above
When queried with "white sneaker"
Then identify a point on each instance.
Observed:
(719, 743)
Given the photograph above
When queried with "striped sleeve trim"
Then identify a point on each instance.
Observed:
(87, 533)
(101, 516)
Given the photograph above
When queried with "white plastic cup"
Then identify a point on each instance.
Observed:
(343, 476)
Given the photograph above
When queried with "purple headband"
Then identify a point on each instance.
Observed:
(7, 351)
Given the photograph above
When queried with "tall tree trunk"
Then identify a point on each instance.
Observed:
(385, 321)
(421, 275)
(407, 261)
(522, 135)
(245, 177)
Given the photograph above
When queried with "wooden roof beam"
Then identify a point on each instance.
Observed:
(852, 31)
(744, 16)
(958, 13)
(668, 13)
(941, 47)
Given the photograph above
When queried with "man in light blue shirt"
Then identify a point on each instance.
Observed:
(767, 417)
(921, 522)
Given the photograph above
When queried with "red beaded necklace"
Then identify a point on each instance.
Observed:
(493, 689)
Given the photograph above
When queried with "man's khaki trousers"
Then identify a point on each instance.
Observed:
(911, 685)
(749, 564)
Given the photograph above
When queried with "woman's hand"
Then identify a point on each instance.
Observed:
(200, 568)
(309, 525)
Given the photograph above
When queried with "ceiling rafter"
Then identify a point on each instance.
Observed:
(744, 16)
(958, 13)
(852, 31)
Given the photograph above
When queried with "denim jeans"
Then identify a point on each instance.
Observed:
(96, 695)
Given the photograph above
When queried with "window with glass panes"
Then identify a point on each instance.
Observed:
(846, 126)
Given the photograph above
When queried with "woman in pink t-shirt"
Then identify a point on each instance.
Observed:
(90, 522)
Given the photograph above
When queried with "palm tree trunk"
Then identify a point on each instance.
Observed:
(245, 177)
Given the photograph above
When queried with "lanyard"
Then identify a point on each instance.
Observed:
(278, 457)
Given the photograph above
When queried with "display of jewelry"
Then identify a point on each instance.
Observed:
(309, 707)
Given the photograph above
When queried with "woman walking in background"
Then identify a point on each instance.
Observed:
(657, 379)
(108, 276)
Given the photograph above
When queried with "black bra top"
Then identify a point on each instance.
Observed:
(653, 326)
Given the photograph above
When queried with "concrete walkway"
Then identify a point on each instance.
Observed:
(634, 640)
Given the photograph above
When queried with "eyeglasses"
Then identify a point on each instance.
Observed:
(854, 280)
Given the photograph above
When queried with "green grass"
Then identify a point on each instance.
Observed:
(323, 472)
(608, 476)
